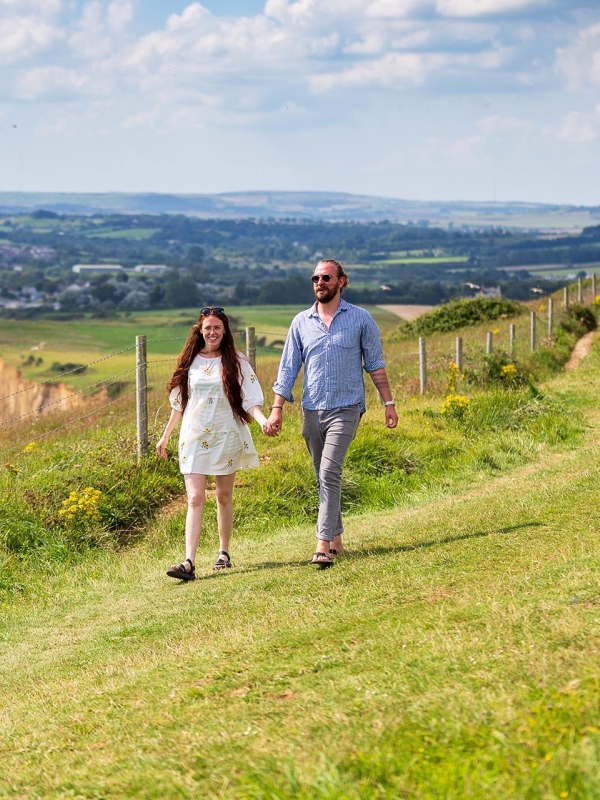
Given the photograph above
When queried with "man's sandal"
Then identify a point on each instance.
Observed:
(322, 560)
(222, 561)
(182, 572)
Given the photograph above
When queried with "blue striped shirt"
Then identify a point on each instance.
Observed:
(333, 359)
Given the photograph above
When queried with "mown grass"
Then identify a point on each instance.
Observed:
(452, 654)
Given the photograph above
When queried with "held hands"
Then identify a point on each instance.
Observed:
(265, 424)
(275, 422)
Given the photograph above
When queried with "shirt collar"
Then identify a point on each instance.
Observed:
(312, 311)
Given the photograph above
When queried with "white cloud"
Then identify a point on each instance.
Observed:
(480, 8)
(496, 125)
(398, 9)
(43, 7)
(579, 62)
(394, 69)
(44, 81)
(24, 37)
(120, 14)
(579, 128)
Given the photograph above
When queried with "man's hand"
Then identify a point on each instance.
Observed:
(391, 418)
(275, 421)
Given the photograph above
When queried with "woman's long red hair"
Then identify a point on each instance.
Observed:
(231, 367)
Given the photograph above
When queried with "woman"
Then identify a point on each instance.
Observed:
(213, 391)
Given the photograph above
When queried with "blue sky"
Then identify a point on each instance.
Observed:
(418, 99)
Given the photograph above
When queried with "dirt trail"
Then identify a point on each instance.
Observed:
(407, 312)
(580, 351)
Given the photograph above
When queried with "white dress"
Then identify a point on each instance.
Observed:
(212, 441)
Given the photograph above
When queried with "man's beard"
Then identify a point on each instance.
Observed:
(330, 293)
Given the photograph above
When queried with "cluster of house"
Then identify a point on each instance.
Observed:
(30, 297)
(115, 269)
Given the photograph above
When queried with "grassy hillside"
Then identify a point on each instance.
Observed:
(451, 654)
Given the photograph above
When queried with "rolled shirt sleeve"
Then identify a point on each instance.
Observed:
(370, 342)
(291, 361)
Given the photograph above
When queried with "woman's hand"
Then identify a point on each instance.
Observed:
(265, 425)
(161, 446)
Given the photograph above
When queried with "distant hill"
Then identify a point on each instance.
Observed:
(324, 206)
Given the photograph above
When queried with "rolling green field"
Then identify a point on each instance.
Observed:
(135, 234)
(85, 340)
(424, 260)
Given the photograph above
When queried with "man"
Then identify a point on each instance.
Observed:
(335, 341)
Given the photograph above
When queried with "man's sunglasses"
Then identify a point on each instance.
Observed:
(208, 310)
(317, 278)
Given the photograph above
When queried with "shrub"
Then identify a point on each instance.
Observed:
(497, 369)
(458, 314)
(578, 320)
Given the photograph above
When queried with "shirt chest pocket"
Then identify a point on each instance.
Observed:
(345, 340)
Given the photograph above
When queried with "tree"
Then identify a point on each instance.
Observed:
(182, 293)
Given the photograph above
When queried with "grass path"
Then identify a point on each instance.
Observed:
(452, 654)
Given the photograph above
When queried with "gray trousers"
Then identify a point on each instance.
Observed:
(328, 435)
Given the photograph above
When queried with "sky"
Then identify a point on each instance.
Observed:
(476, 100)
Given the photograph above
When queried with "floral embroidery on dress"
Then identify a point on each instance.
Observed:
(205, 445)
(230, 462)
(253, 378)
(246, 445)
(207, 370)
(206, 430)
(210, 401)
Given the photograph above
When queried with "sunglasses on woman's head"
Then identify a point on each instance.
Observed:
(317, 278)
(208, 310)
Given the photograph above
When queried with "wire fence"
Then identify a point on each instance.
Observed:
(50, 409)
(36, 412)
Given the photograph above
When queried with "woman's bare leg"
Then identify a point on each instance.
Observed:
(195, 486)
(224, 493)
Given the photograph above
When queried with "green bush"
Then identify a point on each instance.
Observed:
(458, 314)
(578, 320)
(496, 369)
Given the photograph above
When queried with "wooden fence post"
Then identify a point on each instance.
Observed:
(459, 353)
(489, 343)
(566, 298)
(550, 316)
(251, 346)
(423, 364)
(593, 287)
(580, 291)
(533, 330)
(141, 395)
(512, 339)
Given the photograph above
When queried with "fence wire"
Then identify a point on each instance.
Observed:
(52, 409)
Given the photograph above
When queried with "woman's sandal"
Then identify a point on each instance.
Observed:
(222, 563)
(322, 559)
(180, 571)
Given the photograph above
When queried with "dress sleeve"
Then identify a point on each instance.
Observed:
(252, 394)
(175, 399)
